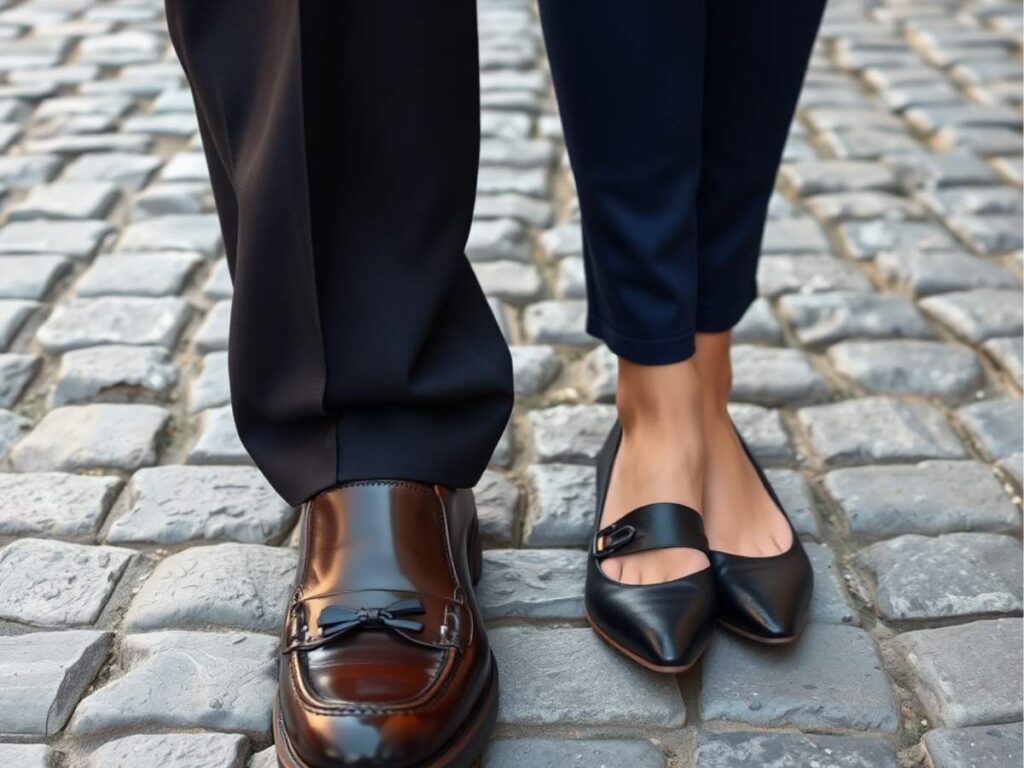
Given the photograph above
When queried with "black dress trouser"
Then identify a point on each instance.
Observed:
(342, 138)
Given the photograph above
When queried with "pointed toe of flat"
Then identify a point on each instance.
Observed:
(764, 598)
(664, 627)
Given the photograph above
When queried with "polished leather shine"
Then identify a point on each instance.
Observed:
(384, 659)
(666, 626)
(766, 599)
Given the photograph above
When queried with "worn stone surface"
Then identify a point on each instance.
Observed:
(551, 753)
(557, 322)
(239, 586)
(56, 583)
(778, 275)
(222, 681)
(910, 366)
(571, 433)
(1009, 355)
(110, 370)
(497, 501)
(42, 676)
(218, 441)
(878, 429)
(114, 320)
(13, 314)
(981, 746)
(562, 505)
(30, 277)
(172, 504)
(825, 318)
(831, 678)
(769, 376)
(138, 274)
(16, 371)
(92, 436)
(969, 674)
(923, 273)
(548, 680)
(534, 368)
(172, 750)
(26, 755)
(978, 315)
(54, 504)
(785, 750)
(997, 426)
(929, 498)
(958, 574)
(533, 584)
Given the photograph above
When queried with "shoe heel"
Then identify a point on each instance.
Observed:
(474, 551)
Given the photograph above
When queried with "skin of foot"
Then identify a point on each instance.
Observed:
(661, 459)
(740, 518)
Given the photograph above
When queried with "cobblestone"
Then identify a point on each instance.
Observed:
(959, 574)
(114, 320)
(926, 273)
(739, 750)
(997, 426)
(542, 753)
(825, 318)
(54, 504)
(832, 678)
(968, 674)
(548, 680)
(172, 504)
(172, 750)
(54, 583)
(979, 315)
(984, 746)
(221, 681)
(16, 371)
(908, 367)
(533, 584)
(42, 676)
(30, 277)
(90, 374)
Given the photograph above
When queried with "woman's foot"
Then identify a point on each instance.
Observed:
(660, 459)
(740, 516)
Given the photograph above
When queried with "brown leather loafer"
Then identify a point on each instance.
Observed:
(384, 658)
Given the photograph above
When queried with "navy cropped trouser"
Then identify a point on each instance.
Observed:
(342, 139)
(675, 114)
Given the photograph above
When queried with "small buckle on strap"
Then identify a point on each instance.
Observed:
(611, 538)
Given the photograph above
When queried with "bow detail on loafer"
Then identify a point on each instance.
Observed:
(336, 620)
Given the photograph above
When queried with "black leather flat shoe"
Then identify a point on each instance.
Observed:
(764, 598)
(664, 627)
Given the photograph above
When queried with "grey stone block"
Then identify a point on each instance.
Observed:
(557, 322)
(997, 426)
(758, 325)
(124, 169)
(864, 239)
(814, 177)
(831, 678)
(563, 241)
(599, 375)
(534, 367)
(981, 746)
(16, 371)
(42, 676)
(791, 750)
(763, 432)
(66, 200)
(98, 372)
(1008, 354)
(199, 232)
(114, 320)
(533, 584)
(793, 236)
(574, 753)
(138, 274)
(218, 286)
(968, 674)
(95, 436)
(172, 750)
(54, 583)
(978, 315)
(908, 367)
(509, 205)
(223, 682)
(26, 755)
(77, 239)
(12, 426)
(30, 277)
(211, 388)
(932, 497)
(571, 282)
(562, 505)
(829, 604)
(13, 315)
(176, 503)
(778, 275)
(571, 433)
(54, 504)
(498, 240)
(878, 429)
(775, 377)
(959, 574)
(825, 318)
(218, 441)
(239, 586)
(496, 502)
(548, 680)
(510, 281)
(797, 499)
(212, 335)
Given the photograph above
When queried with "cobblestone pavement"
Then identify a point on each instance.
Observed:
(144, 564)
